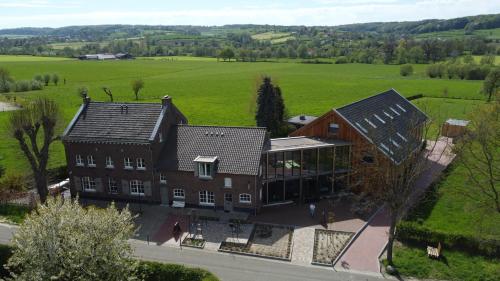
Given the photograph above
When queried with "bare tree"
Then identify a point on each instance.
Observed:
(396, 178)
(82, 92)
(108, 92)
(25, 127)
(137, 85)
(479, 153)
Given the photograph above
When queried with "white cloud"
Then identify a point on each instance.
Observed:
(379, 10)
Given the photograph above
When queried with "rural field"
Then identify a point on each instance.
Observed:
(223, 93)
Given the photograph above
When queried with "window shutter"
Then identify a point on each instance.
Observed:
(213, 171)
(196, 171)
(125, 187)
(78, 183)
(98, 185)
(147, 188)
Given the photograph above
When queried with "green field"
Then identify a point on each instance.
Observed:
(492, 34)
(413, 261)
(24, 58)
(216, 93)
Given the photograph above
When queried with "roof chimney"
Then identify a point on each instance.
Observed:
(166, 101)
(302, 117)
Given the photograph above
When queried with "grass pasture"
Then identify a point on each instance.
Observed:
(215, 93)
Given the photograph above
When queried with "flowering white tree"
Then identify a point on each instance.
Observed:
(61, 240)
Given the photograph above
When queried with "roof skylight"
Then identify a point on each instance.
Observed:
(379, 119)
(387, 114)
(394, 110)
(362, 128)
(394, 142)
(400, 107)
(402, 137)
(370, 122)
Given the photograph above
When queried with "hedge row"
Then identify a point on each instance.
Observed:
(413, 232)
(147, 271)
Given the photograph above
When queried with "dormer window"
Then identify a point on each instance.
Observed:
(109, 162)
(90, 161)
(205, 166)
(79, 160)
(163, 178)
(141, 164)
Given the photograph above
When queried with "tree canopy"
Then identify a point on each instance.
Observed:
(270, 107)
(65, 241)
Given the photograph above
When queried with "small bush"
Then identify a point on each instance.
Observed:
(436, 70)
(38, 78)
(406, 70)
(341, 60)
(5, 253)
(23, 86)
(13, 182)
(36, 85)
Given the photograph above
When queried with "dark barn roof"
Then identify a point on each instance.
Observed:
(386, 120)
(114, 122)
(238, 149)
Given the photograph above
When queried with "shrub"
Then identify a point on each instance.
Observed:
(341, 60)
(406, 70)
(435, 70)
(152, 271)
(23, 86)
(46, 79)
(5, 253)
(476, 72)
(38, 78)
(36, 85)
(413, 232)
(13, 182)
(55, 78)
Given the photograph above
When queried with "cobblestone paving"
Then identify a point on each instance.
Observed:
(303, 242)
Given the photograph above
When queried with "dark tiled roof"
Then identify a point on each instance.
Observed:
(107, 122)
(238, 149)
(386, 120)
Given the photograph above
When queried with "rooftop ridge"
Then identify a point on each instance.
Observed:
(120, 103)
(216, 126)
(367, 98)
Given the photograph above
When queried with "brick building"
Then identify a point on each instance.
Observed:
(146, 152)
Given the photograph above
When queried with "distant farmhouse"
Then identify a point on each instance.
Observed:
(119, 56)
(146, 152)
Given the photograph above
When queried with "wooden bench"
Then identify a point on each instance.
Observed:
(178, 204)
(434, 252)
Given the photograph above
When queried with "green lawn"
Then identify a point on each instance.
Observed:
(215, 93)
(13, 213)
(413, 261)
(454, 212)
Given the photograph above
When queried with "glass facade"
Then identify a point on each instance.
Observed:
(302, 174)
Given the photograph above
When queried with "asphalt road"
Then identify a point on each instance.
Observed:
(230, 267)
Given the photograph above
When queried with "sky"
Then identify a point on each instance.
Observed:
(57, 13)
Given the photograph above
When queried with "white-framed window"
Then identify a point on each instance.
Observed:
(136, 187)
(207, 198)
(127, 162)
(205, 170)
(141, 164)
(109, 162)
(179, 193)
(90, 161)
(112, 186)
(228, 182)
(79, 160)
(163, 178)
(88, 184)
(245, 198)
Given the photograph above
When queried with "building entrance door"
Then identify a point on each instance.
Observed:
(164, 195)
(228, 202)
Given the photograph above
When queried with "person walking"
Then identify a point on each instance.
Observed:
(312, 208)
